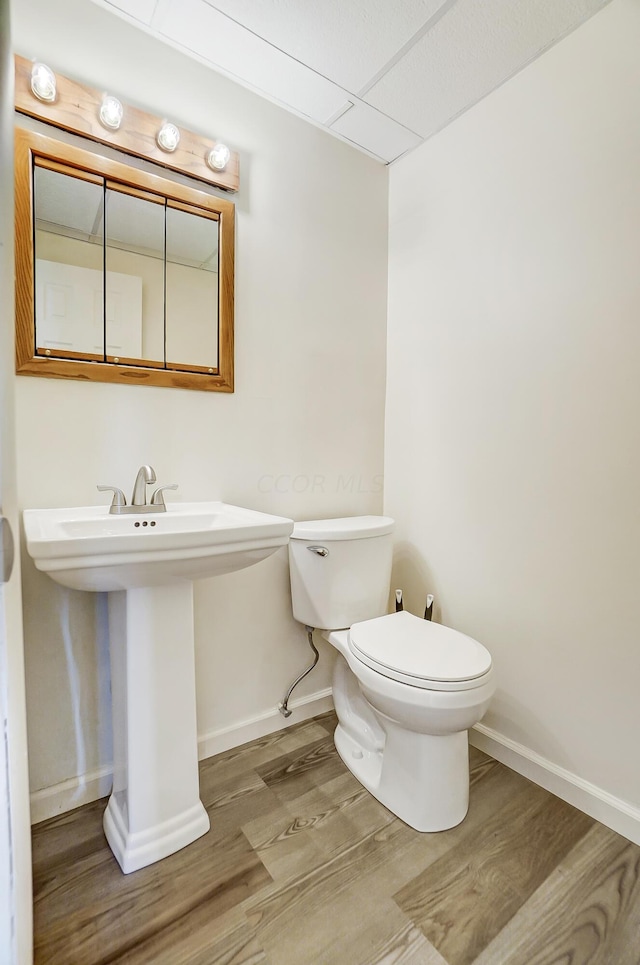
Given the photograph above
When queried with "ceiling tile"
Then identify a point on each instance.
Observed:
(249, 59)
(409, 67)
(377, 134)
(347, 42)
(468, 53)
(140, 9)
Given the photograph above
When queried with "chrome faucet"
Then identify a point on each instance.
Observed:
(146, 475)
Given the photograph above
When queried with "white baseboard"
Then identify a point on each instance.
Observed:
(51, 801)
(67, 795)
(611, 811)
(218, 741)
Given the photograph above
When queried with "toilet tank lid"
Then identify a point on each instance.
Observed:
(347, 527)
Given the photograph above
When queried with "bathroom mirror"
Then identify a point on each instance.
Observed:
(121, 275)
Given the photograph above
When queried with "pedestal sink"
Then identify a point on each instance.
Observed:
(147, 564)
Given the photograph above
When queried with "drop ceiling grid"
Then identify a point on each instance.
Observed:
(142, 10)
(407, 67)
(348, 43)
(468, 53)
(383, 137)
(223, 43)
(211, 36)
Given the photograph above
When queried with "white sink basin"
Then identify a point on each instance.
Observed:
(86, 548)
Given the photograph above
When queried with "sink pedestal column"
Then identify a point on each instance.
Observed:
(155, 806)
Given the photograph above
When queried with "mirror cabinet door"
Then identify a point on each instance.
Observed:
(69, 261)
(135, 278)
(192, 289)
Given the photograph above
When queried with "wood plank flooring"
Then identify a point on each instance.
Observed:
(303, 867)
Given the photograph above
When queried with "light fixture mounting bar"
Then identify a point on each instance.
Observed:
(77, 109)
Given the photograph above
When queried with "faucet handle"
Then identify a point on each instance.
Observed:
(118, 501)
(158, 499)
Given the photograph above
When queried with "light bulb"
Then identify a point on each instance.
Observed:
(43, 82)
(218, 157)
(111, 112)
(168, 137)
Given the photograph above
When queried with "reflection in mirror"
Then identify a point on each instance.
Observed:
(69, 264)
(160, 302)
(135, 276)
(192, 289)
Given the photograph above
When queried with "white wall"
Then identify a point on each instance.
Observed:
(513, 410)
(302, 436)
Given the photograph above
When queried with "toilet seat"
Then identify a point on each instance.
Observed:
(420, 653)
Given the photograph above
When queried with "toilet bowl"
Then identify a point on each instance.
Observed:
(405, 690)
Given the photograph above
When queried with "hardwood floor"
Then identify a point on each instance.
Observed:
(303, 867)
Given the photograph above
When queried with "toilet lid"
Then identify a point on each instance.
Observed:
(402, 646)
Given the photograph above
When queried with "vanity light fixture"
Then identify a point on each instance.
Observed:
(168, 137)
(218, 157)
(43, 83)
(100, 116)
(111, 112)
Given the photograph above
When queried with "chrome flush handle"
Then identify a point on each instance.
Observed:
(318, 550)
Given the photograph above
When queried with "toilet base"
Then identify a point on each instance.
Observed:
(422, 779)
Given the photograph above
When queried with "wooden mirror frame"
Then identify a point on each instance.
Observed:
(28, 145)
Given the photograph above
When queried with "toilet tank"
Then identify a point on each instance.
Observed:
(340, 570)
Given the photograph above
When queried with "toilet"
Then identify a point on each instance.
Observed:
(405, 690)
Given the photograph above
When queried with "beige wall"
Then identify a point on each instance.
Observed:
(513, 411)
(302, 436)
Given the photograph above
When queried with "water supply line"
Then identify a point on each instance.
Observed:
(283, 705)
(428, 610)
